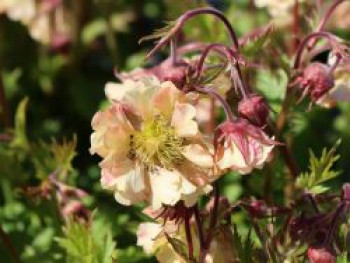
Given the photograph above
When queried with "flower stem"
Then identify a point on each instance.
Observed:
(306, 40)
(7, 242)
(328, 14)
(189, 15)
(188, 235)
(200, 233)
(229, 114)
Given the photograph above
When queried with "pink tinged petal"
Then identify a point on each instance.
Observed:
(129, 188)
(182, 120)
(147, 234)
(198, 155)
(165, 98)
(233, 158)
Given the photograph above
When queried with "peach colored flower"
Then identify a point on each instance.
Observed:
(152, 237)
(241, 146)
(151, 147)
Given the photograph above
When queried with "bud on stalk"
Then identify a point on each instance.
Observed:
(255, 109)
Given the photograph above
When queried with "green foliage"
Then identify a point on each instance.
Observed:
(255, 43)
(320, 171)
(272, 84)
(244, 246)
(86, 243)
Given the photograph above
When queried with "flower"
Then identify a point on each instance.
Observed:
(255, 109)
(151, 147)
(316, 81)
(165, 71)
(320, 255)
(242, 146)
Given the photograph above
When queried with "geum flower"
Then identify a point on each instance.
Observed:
(151, 147)
(241, 146)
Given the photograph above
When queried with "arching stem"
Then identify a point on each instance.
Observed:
(189, 15)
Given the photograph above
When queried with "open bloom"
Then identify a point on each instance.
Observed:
(151, 146)
(242, 146)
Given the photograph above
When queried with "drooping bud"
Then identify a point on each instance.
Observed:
(255, 109)
(165, 71)
(259, 209)
(317, 80)
(241, 146)
(320, 255)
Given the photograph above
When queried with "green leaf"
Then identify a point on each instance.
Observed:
(272, 84)
(86, 243)
(20, 137)
(320, 171)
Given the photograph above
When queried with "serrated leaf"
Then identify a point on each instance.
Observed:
(320, 171)
(272, 84)
(254, 43)
(86, 243)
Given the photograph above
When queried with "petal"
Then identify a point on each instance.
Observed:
(165, 98)
(165, 187)
(146, 236)
(129, 188)
(182, 120)
(198, 155)
(117, 91)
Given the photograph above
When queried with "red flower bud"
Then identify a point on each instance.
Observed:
(255, 109)
(320, 255)
(316, 80)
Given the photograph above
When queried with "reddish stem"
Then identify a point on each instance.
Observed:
(189, 15)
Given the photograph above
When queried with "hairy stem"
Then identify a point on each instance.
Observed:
(189, 15)
(229, 114)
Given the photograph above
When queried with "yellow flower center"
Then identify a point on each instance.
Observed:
(157, 143)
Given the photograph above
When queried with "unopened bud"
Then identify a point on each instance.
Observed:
(255, 109)
(317, 80)
(320, 255)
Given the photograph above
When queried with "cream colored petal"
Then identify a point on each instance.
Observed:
(117, 91)
(165, 187)
(165, 98)
(147, 233)
(198, 155)
(129, 188)
(232, 157)
(182, 120)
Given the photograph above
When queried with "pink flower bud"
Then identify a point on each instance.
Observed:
(320, 255)
(165, 71)
(255, 109)
(241, 146)
(316, 80)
